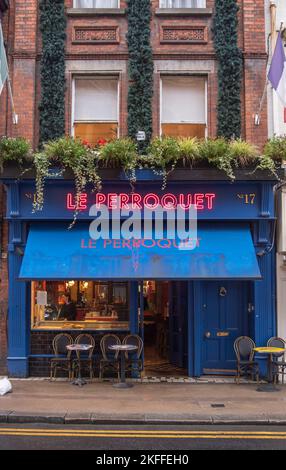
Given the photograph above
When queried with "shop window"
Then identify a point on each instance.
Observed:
(80, 305)
(95, 109)
(183, 106)
(182, 3)
(96, 3)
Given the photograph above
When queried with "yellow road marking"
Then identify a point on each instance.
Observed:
(144, 434)
(145, 431)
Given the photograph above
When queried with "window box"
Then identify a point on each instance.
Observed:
(12, 171)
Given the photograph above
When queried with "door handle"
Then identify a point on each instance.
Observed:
(208, 334)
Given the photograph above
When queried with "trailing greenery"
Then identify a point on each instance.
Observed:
(14, 148)
(216, 153)
(52, 104)
(120, 153)
(243, 153)
(275, 148)
(162, 157)
(229, 56)
(189, 150)
(140, 68)
(67, 153)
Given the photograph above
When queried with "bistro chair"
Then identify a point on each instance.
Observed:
(62, 359)
(278, 359)
(84, 359)
(243, 348)
(109, 358)
(134, 358)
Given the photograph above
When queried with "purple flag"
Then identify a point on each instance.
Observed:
(277, 71)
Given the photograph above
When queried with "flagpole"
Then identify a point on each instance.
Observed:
(14, 115)
(275, 101)
(9, 86)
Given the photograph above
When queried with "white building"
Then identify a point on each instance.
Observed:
(276, 20)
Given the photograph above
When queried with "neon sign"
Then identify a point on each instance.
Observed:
(202, 201)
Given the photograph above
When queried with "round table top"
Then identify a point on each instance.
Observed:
(268, 350)
(79, 347)
(123, 347)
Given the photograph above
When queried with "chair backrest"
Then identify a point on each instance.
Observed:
(106, 341)
(277, 342)
(134, 340)
(85, 338)
(243, 347)
(60, 343)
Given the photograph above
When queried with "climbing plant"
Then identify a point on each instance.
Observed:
(229, 56)
(52, 104)
(140, 70)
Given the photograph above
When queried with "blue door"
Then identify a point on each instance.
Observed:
(224, 317)
(178, 317)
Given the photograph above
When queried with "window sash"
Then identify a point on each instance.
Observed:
(96, 99)
(183, 100)
(96, 4)
(182, 3)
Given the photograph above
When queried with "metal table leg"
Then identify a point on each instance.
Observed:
(122, 383)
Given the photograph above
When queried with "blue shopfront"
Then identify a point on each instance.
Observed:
(188, 305)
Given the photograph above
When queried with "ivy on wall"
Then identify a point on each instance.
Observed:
(52, 104)
(140, 70)
(229, 56)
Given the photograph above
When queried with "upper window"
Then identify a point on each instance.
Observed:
(182, 3)
(95, 108)
(96, 3)
(183, 106)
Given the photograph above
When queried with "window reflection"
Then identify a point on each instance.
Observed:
(79, 304)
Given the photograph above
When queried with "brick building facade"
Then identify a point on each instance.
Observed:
(96, 46)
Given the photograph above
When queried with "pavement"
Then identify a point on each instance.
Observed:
(60, 402)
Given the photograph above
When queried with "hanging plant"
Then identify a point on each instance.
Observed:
(216, 153)
(120, 153)
(163, 155)
(189, 150)
(42, 166)
(14, 148)
(275, 148)
(67, 153)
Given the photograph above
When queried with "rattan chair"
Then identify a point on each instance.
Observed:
(62, 359)
(84, 359)
(243, 347)
(109, 358)
(134, 361)
(278, 359)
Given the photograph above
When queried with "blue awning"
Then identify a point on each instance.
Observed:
(55, 253)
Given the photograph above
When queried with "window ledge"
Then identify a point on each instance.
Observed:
(96, 11)
(184, 12)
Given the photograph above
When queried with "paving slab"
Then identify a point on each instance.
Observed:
(200, 403)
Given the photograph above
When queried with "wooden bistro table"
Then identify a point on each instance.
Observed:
(122, 348)
(269, 350)
(78, 348)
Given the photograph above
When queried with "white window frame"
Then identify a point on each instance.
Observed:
(89, 77)
(162, 5)
(75, 2)
(205, 76)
